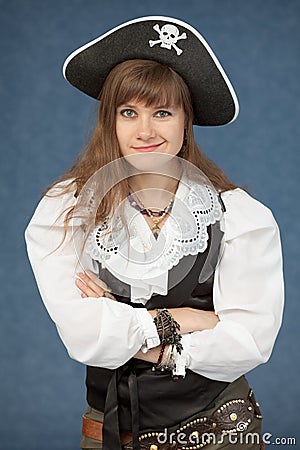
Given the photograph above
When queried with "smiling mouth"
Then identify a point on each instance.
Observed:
(148, 148)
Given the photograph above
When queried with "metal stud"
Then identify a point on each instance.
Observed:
(153, 447)
(233, 416)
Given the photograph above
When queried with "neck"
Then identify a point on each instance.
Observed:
(153, 181)
(166, 178)
(155, 191)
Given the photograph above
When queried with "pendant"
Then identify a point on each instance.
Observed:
(155, 230)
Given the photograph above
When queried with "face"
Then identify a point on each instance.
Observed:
(144, 130)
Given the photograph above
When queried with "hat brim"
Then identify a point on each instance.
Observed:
(214, 99)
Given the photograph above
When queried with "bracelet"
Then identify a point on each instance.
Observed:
(168, 361)
(167, 329)
(160, 357)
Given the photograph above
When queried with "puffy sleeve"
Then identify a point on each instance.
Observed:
(248, 294)
(96, 331)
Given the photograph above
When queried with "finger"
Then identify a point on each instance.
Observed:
(109, 295)
(85, 289)
(91, 283)
(97, 280)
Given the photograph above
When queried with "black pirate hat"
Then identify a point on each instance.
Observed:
(169, 41)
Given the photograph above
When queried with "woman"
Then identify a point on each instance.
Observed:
(161, 275)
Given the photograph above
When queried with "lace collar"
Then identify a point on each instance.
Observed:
(137, 258)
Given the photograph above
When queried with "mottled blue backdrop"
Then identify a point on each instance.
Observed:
(44, 123)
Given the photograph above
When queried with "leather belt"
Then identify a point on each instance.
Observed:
(93, 429)
(233, 416)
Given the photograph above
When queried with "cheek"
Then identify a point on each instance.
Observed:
(179, 127)
(118, 130)
(178, 135)
(121, 135)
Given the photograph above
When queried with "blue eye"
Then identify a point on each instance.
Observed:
(163, 114)
(127, 113)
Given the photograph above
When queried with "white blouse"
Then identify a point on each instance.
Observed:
(248, 292)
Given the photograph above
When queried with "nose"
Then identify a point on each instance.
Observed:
(145, 129)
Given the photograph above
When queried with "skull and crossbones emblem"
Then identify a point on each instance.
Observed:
(168, 37)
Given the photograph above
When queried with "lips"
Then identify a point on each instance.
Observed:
(147, 148)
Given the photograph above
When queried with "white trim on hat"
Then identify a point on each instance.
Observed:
(166, 19)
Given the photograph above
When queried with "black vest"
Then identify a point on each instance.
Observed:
(134, 391)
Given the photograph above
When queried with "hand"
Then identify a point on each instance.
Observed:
(91, 286)
(198, 319)
(151, 355)
(192, 319)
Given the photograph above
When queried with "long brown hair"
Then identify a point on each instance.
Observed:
(143, 81)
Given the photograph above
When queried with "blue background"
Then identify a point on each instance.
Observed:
(44, 123)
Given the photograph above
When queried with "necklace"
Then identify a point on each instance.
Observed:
(155, 216)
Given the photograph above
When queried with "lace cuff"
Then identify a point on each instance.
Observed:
(182, 359)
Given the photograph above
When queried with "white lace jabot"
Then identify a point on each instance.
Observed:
(143, 262)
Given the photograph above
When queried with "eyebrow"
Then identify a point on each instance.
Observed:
(128, 105)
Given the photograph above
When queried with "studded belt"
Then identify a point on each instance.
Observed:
(232, 417)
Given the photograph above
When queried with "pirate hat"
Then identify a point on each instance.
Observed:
(168, 41)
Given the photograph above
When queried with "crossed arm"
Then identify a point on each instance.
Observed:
(248, 296)
(189, 319)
